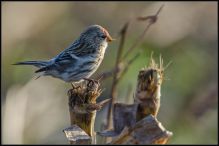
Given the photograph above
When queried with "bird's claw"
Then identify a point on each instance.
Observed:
(75, 87)
(91, 81)
(92, 84)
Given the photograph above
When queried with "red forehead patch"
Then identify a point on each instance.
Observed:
(107, 34)
(105, 31)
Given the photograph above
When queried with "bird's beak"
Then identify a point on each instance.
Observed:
(109, 38)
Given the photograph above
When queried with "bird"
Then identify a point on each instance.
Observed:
(79, 60)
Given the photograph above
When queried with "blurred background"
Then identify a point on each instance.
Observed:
(36, 111)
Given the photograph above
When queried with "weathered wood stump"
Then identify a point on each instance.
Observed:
(82, 108)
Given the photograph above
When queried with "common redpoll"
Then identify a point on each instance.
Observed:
(80, 60)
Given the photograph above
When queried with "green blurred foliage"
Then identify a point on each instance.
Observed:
(185, 34)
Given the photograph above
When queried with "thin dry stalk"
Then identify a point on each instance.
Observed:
(120, 60)
(116, 75)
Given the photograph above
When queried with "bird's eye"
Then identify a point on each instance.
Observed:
(103, 36)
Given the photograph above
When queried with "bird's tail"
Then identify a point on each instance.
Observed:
(38, 64)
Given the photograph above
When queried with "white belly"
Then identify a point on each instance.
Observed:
(99, 58)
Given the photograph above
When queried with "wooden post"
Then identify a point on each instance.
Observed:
(147, 94)
(83, 106)
(137, 123)
(76, 135)
(147, 131)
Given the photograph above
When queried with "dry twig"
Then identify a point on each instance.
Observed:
(116, 75)
(119, 60)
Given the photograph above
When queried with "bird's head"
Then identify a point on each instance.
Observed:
(96, 34)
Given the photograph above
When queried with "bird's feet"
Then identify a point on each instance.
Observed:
(77, 89)
(74, 86)
(92, 84)
(91, 80)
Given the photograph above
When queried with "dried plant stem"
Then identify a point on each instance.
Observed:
(127, 66)
(115, 76)
(152, 19)
(120, 59)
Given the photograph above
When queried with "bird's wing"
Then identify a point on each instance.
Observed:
(62, 61)
(86, 49)
(69, 56)
(77, 49)
(60, 64)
